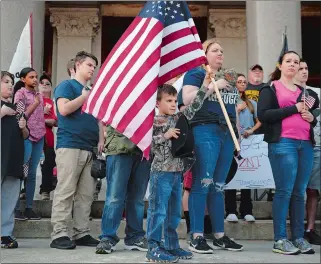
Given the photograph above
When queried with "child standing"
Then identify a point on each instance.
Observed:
(166, 176)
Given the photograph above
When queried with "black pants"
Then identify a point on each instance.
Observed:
(47, 169)
(246, 205)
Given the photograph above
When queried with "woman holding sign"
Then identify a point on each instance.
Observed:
(213, 149)
(247, 111)
(285, 112)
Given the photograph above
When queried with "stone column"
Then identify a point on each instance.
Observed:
(266, 21)
(228, 26)
(75, 28)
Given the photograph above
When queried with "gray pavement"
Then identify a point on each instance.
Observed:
(38, 251)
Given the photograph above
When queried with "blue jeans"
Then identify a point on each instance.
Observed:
(33, 151)
(127, 179)
(214, 153)
(291, 162)
(164, 207)
(10, 189)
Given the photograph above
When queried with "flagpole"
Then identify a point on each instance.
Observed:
(227, 119)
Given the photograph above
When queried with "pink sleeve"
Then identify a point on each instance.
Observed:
(19, 96)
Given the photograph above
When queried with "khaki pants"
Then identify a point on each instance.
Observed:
(74, 193)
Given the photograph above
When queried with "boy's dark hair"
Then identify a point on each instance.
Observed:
(70, 65)
(82, 55)
(165, 89)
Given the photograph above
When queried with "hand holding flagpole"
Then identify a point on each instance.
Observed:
(227, 119)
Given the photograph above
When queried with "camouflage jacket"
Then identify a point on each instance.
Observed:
(161, 147)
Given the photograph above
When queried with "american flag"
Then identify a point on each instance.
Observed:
(161, 43)
(308, 99)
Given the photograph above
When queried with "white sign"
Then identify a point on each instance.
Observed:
(254, 170)
(23, 56)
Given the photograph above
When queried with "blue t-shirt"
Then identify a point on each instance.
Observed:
(211, 111)
(247, 118)
(77, 130)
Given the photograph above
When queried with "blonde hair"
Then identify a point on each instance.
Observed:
(207, 43)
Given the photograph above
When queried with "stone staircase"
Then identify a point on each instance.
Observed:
(262, 229)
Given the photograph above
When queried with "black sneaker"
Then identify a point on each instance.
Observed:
(140, 244)
(31, 215)
(63, 243)
(313, 237)
(226, 243)
(200, 246)
(87, 240)
(105, 246)
(8, 242)
(19, 216)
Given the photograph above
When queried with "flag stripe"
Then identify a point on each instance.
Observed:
(126, 117)
(128, 68)
(178, 43)
(117, 68)
(136, 87)
(176, 35)
(111, 64)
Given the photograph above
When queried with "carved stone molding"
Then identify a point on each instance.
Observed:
(227, 23)
(75, 22)
(132, 10)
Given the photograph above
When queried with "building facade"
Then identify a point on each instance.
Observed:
(250, 31)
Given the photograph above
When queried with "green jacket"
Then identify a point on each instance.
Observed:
(116, 143)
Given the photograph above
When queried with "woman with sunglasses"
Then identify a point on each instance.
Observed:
(249, 123)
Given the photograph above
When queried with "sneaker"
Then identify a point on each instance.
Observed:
(303, 245)
(200, 246)
(45, 196)
(312, 237)
(63, 243)
(9, 242)
(87, 240)
(31, 215)
(249, 218)
(19, 216)
(181, 253)
(105, 246)
(232, 218)
(226, 243)
(159, 254)
(284, 246)
(140, 244)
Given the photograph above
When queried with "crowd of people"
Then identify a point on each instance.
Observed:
(189, 176)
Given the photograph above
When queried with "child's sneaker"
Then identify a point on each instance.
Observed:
(181, 253)
(8, 242)
(200, 246)
(158, 254)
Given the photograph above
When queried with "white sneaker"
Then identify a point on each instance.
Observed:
(249, 218)
(232, 218)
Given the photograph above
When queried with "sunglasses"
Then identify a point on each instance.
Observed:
(46, 84)
(242, 82)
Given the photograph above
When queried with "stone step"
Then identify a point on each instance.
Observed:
(260, 230)
(261, 209)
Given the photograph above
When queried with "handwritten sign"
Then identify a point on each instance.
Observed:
(254, 170)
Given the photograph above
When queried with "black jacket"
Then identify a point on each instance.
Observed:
(271, 115)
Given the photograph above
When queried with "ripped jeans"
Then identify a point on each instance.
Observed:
(214, 153)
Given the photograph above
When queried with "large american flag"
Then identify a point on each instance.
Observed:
(161, 43)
